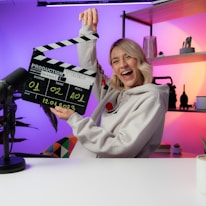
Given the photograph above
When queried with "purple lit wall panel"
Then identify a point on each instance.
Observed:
(24, 26)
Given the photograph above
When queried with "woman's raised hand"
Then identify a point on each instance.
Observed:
(90, 18)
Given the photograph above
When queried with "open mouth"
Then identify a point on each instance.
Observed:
(126, 73)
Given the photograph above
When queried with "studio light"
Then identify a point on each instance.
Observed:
(91, 2)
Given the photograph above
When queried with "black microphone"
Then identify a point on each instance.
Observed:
(12, 81)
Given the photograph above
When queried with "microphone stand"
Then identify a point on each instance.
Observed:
(9, 164)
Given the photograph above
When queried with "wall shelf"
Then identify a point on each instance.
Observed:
(179, 59)
(187, 110)
(167, 11)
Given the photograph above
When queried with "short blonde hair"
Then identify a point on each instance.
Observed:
(134, 50)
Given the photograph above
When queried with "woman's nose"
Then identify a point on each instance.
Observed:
(123, 63)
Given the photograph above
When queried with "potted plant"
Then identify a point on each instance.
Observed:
(204, 143)
(18, 122)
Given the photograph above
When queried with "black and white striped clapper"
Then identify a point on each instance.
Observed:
(55, 83)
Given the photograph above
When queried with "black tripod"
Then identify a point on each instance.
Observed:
(8, 163)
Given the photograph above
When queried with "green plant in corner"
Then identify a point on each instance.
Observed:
(204, 143)
(17, 95)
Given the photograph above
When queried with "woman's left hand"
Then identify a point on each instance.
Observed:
(90, 18)
(62, 113)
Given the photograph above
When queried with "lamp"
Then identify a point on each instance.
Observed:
(91, 2)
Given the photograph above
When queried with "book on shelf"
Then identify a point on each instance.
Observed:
(164, 147)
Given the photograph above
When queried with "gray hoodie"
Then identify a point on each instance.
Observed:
(125, 124)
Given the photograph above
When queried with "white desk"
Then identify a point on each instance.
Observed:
(102, 182)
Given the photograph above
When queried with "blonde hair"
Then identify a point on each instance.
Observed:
(134, 50)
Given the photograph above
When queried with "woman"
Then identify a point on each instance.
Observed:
(129, 119)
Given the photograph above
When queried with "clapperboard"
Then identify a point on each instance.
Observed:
(55, 83)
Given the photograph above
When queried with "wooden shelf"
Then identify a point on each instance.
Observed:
(168, 11)
(179, 59)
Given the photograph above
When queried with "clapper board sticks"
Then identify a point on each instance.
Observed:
(55, 83)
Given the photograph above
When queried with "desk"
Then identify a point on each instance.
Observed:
(102, 182)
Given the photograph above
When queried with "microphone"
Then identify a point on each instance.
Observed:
(13, 80)
(8, 85)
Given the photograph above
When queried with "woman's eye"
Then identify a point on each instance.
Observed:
(115, 62)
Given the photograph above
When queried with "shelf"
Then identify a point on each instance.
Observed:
(187, 110)
(179, 59)
(170, 155)
(168, 11)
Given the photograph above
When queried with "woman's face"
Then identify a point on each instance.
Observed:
(125, 68)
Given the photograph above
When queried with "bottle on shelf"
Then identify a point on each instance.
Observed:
(184, 100)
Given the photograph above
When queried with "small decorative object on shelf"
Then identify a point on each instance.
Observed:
(186, 46)
(161, 54)
(184, 100)
(176, 149)
(172, 92)
(200, 103)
